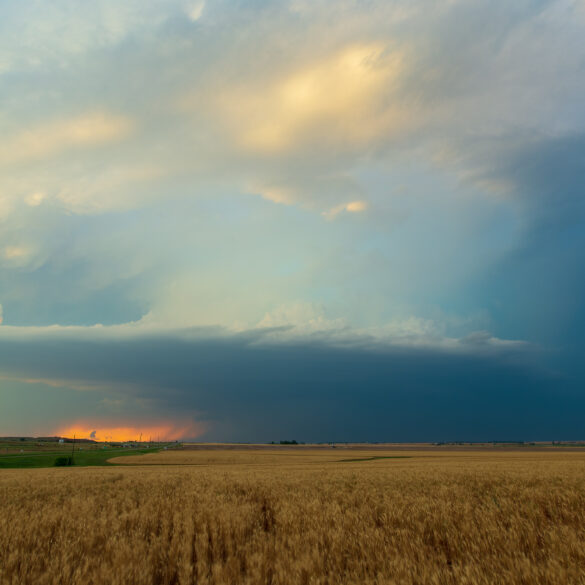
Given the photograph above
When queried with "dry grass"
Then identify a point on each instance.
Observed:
(287, 517)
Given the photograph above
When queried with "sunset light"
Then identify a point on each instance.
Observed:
(165, 431)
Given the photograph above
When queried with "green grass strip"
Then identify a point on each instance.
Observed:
(80, 458)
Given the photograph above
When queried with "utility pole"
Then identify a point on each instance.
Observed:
(72, 449)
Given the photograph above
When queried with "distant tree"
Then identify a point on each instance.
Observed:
(63, 461)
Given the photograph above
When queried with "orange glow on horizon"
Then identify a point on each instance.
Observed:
(161, 431)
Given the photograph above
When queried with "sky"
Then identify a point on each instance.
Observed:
(312, 220)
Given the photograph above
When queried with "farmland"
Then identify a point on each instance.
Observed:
(33, 454)
(299, 515)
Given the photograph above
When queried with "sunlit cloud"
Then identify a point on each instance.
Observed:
(195, 10)
(51, 138)
(351, 207)
(19, 256)
(16, 256)
(282, 195)
(35, 199)
(114, 187)
(13, 252)
(336, 101)
(292, 320)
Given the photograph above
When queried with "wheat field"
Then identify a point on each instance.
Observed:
(303, 516)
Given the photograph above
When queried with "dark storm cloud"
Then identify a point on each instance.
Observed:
(537, 290)
(249, 389)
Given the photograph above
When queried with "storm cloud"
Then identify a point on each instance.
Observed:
(293, 218)
(249, 387)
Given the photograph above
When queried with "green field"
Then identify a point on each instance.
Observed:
(43, 455)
